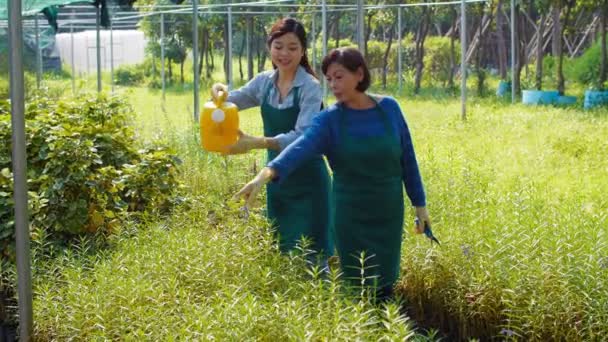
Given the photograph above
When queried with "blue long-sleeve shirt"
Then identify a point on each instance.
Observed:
(252, 95)
(323, 136)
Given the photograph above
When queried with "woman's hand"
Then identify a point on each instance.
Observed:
(422, 215)
(245, 144)
(251, 190)
(216, 89)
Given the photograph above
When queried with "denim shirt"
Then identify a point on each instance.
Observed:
(252, 93)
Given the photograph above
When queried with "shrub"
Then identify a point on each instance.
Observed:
(128, 75)
(85, 172)
(585, 69)
(437, 60)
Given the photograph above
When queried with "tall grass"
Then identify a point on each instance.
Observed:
(516, 195)
(206, 272)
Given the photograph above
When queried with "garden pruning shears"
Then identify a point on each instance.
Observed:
(427, 231)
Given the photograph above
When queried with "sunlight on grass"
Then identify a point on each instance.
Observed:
(516, 195)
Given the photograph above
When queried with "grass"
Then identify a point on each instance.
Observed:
(516, 194)
(203, 273)
(517, 197)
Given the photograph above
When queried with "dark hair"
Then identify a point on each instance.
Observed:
(352, 60)
(290, 25)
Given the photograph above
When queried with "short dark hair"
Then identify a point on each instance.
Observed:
(352, 60)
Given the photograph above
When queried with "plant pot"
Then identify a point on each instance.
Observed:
(594, 98)
(503, 89)
(537, 97)
(566, 100)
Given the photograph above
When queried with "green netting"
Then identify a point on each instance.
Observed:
(31, 7)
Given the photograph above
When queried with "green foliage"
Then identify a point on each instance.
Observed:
(4, 88)
(331, 44)
(517, 197)
(129, 75)
(437, 60)
(586, 70)
(210, 271)
(375, 54)
(85, 172)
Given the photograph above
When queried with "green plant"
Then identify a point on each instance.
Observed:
(437, 67)
(85, 172)
(129, 75)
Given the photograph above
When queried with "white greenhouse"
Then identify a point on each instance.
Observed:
(128, 48)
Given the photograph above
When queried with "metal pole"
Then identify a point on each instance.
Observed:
(97, 24)
(112, 56)
(314, 43)
(513, 52)
(463, 59)
(38, 54)
(162, 53)
(22, 232)
(360, 27)
(72, 55)
(248, 44)
(229, 42)
(399, 52)
(324, 37)
(195, 55)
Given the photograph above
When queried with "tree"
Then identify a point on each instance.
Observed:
(502, 49)
(559, 6)
(604, 54)
(601, 6)
(485, 18)
(543, 7)
(422, 17)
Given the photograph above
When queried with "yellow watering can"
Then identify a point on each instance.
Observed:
(219, 124)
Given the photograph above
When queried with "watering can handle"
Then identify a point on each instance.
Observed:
(221, 97)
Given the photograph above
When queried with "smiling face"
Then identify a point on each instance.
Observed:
(286, 52)
(343, 82)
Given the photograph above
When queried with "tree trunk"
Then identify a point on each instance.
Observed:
(524, 37)
(170, 71)
(249, 48)
(153, 66)
(368, 33)
(556, 40)
(452, 48)
(211, 57)
(261, 49)
(561, 82)
(386, 53)
(227, 62)
(481, 75)
(540, 32)
(181, 72)
(502, 48)
(421, 33)
(516, 77)
(258, 54)
(338, 17)
(203, 51)
(208, 56)
(242, 50)
(604, 57)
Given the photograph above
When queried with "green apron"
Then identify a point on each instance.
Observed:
(300, 205)
(368, 194)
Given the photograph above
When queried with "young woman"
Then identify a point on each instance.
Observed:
(370, 151)
(289, 97)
